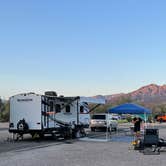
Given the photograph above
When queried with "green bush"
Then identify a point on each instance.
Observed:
(129, 118)
(123, 121)
(4, 112)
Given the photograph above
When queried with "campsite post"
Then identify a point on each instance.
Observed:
(77, 113)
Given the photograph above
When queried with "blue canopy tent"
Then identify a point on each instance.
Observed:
(129, 108)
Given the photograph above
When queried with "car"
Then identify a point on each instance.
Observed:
(116, 117)
(161, 118)
(103, 121)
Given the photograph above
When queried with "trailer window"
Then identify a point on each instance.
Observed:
(68, 108)
(58, 108)
(81, 109)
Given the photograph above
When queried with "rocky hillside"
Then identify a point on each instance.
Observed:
(151, 96)
(146, 94)
(150, 93)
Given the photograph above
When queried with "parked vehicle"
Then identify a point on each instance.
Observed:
(116, 117)
(161, 118)
(35, 114)
(103, 121)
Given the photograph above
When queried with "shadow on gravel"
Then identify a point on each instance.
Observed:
(127, 139)
(29, 144)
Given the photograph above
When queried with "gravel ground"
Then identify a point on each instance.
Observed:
(82, 154)
(4, 126)
(79, 153)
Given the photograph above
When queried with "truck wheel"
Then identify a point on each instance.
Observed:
(92, 129)
(115, 129)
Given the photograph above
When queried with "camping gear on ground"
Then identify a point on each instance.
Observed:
(150, 143)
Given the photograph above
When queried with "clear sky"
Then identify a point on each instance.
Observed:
(81, 47)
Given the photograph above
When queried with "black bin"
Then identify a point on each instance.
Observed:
(151, 137)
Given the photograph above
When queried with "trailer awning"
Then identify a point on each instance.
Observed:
(92, 100)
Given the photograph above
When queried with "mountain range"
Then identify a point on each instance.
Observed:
(147, 95)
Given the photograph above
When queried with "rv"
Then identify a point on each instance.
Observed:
(49, 114)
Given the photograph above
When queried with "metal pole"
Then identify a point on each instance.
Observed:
(77, 113)
(145, 120)
(107, 126)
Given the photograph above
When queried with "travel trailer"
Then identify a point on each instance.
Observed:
(49, 114)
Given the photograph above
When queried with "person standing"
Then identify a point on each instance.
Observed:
(137, 126)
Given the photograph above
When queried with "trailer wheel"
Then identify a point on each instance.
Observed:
(41, 135)
(68, 134)
(54, 136)
(32, 134)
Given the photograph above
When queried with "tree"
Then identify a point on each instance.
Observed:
(1, 105)
(4, 111)
(162, 109)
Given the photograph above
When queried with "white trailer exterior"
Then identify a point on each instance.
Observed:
(28, 107)
(32, 113)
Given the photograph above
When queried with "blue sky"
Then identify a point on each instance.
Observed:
(84, 47)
